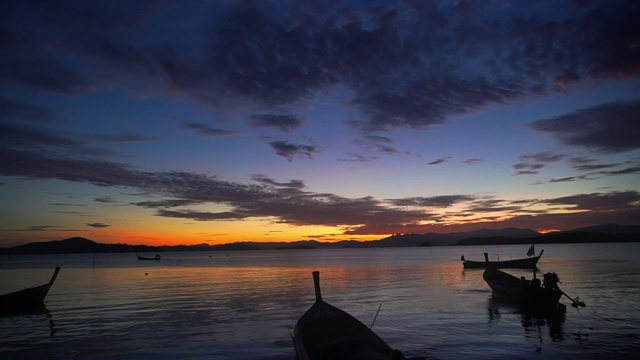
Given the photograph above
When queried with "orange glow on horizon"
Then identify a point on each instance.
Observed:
(546, 231)
(189, 238)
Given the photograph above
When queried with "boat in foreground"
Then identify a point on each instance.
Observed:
(524, 263)
(533, 295)
(157, 257)
(326, 332)
(27, 300)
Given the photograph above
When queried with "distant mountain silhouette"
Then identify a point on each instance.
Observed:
(599, 233)
(609, 229)
(454, 238)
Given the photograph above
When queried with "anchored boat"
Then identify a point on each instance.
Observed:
(30, 299)
(157, 257)
(524, 263)
(326, 332)
(533, 295)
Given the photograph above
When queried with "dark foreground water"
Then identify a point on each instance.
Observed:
(244, 305)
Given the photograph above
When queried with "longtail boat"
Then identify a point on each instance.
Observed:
(157, 257)
(326, 332)
(29, 299)
(532, 295)
(524, 263)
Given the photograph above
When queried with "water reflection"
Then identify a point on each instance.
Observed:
(555, 326)
(22, 330)
(535, 325)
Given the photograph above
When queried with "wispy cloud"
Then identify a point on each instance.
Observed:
(11, 110)
(473, 161)
(289, 150)
(439, 161)
(98, 225)
(288, 202)
(284, 123)
(206, 130)
(532, 164)
(126, 137)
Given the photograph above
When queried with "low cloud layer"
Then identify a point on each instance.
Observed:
(290, 203)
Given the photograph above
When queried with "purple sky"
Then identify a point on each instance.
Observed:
(191, 122)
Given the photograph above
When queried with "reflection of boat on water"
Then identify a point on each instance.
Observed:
(27, 300)
(157, 257)
(554, 325)
(326, 332)
(532, 295)
(524, 263)
(534, 324)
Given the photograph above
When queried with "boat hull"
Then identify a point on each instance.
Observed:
(27, 300)
(528, 263)
(524, 263)
(326, 332)
(533, 298)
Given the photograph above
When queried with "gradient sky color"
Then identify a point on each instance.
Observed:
(186, 122)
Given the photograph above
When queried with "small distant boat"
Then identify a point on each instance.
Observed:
(30, 299)
(533, 295)
(157, 257)
(326, 332)
(524, 263)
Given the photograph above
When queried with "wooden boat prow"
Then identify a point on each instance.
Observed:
(27, 300)
(326, 332)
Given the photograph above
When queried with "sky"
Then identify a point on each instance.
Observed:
(192, 122)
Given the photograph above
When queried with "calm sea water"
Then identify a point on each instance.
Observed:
(244, 305)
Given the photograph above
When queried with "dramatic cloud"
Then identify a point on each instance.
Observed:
(407, 66)
(287, 202)
(609, 128)
(392, 65)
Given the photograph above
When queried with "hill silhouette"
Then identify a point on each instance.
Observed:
(600, 233)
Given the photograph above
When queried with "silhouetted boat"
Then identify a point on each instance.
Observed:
(157, 257)
(326, 332)
(30, 299)
(524, 263)
(532, 295)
